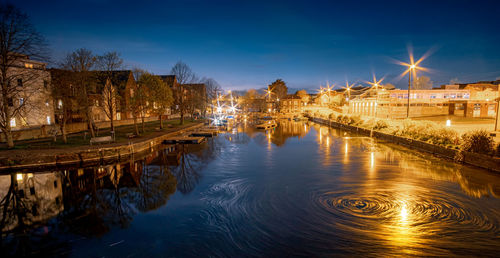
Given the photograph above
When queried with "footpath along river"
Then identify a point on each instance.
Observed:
(299, 189)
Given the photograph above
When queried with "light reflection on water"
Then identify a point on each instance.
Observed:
(299, 189)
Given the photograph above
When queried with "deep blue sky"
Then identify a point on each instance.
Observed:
(249, 44)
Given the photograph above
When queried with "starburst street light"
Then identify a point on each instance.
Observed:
(412, 70)
(328, 89)
(348, 88)
(375, 84)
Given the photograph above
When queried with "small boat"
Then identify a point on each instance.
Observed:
(267, 124)
(301, 118)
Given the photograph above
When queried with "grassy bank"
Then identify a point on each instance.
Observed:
(79, 139)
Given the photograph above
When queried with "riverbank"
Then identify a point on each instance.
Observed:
(469, 158)
(26, 159)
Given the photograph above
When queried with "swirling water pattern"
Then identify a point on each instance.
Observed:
(308, 190)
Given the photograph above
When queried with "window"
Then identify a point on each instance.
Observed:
(45, 84)
(28, 65)
(13, 122)
(10, 102)
(433, 96)
(20, 82)
(48, 120)
(118, 116)
(55, 184)
(59, 104)
(21, 101)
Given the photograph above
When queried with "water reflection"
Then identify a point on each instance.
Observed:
(299, 189)
(91, 201)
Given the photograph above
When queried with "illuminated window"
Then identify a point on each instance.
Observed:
(59, 104)
(48, 120)
(21, 101)
(13, 122)
(28, 65)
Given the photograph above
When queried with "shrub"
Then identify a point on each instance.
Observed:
(355, 120)
(380, 124)
(340, 118)
(346, 120)
(477, 141)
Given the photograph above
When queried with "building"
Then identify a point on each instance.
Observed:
(291, 104)
(468, 100)
(30, 101)
(194, 95)
(116, 86)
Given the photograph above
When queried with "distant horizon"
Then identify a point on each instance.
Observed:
(245, 45)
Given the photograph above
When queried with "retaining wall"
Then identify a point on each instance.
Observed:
(474, 159)
(89, 157)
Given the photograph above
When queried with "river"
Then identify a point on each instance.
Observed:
(301, 189)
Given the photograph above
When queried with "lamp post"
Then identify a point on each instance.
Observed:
(375, 84)
(412, 69)
(497, 118)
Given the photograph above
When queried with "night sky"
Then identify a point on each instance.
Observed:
(249, 44)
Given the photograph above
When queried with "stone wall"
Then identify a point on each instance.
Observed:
(90, 157)
(474, 159)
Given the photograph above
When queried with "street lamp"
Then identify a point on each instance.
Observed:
(348, 89)
(412, 70)
(375, 85)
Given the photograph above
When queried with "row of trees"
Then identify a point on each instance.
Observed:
(150, 93)
(83, 75)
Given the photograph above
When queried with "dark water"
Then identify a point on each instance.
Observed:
(299, 190)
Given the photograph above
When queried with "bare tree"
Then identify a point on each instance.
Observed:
(108, 63)
(184, 75)
(422, 83)
(18, 39)
(63, 94)
(81, 61)
(213, 88)
(138, 99)
(162, 95)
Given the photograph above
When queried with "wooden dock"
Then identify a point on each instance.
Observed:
(204, 133)
(184, 140)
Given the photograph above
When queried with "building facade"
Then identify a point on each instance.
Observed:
(468, 100)
(30, 100)
(291, 104)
